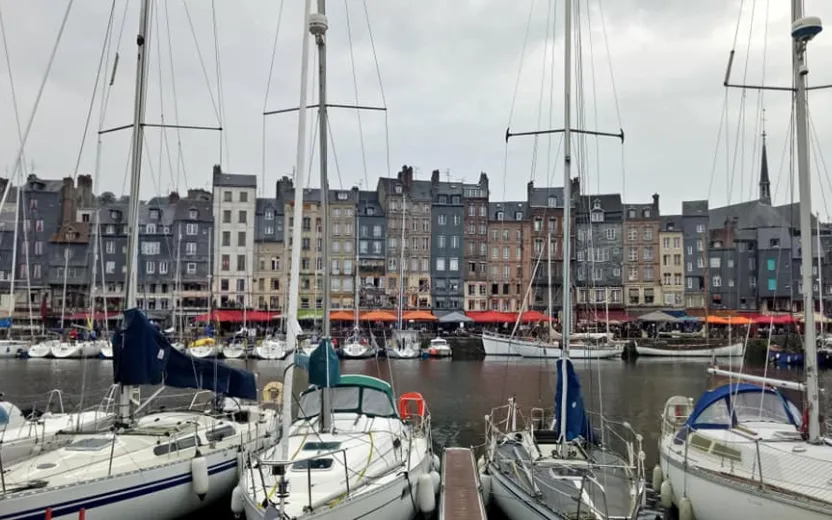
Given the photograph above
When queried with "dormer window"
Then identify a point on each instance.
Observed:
(70, 234)
(500, 215)
(398, 189)
(150, 229)
(596, 204)
(115, 215)
(631, 213)
(553, 202)
(193, 214)
(646, 213)
(110, 230)
(342, 195)
(371, 211)
(596, 216)
(154, 214)
(518, 215)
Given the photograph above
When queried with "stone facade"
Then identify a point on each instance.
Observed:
(642, 285)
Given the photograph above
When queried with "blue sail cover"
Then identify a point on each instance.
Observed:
(143, 356)
(6, 323)
(324, 366)
(577, 422)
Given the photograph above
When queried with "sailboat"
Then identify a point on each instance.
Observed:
(182, 460)
(744, 447)
(562, 467)
(353, 451)
(405, 343)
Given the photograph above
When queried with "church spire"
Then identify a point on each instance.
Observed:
(765, 184)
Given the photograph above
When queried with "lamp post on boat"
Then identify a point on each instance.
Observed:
(803, 30)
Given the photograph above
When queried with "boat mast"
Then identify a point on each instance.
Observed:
(548, 280)
(12, 298)
(803, 30)
(139, 106)
(820, 277)
(318, 26)
(178, 280)
(355, 273)
(566, 326)
(400, 314)
(292, 326)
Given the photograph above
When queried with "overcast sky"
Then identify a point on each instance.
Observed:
(448, 69)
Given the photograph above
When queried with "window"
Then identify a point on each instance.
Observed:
(275, 264)
(191, 229)
(193, 214)
(772, 284)
(454, 241)
(771, 264)
(268, 230)
(666, 243)
(690, 267)
(241, 262)
(348, 267)
(632, 254)
(538, 224)
(39, 225)
(552, 202)
(241, 239)
(190, 248)
(38, 248)
(632, 234)
(700, 228)
(110, 267)
(440, 264)
(715, 262)
(730, 263)
(150, 248)
(225, 262)
(190, 268)
(150, 229)
(454, 264)
(243, 217)
(442, 219)
(376, 231)
(226, 238)
(690, 283)
(596, 216)
(648, 273)
(648, 253)
(227, 197)
(647, 233)
(150, 267)
(610, 233)
(632, 274)
(717, 281)
(163, 268)
(226, 216)
(700, 245)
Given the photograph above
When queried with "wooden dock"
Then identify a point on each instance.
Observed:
(460, 498)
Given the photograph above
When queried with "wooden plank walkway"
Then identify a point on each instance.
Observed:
(460, 497)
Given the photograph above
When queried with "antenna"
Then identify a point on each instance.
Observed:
(448, 174)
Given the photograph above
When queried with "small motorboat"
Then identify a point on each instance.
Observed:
(439, 348)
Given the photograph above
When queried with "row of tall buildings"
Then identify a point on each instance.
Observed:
(450, 245)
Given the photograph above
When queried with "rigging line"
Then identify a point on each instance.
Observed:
(164, 143)
(719, 131)
(108, 89)
(180, 161)
(334, 155)
(594, 100)
(43, 85)
(737, 28)
(13, 91)
(761, 107)
(615, 97)
(820, 156)
(220, 97)
(202, 63)
(355, 89)
(741, 123)
(266, 97)
(551, 43)
(380, 86)
(520, 66)
(783, 155)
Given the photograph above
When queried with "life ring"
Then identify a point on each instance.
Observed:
(409, 401)
(273, 392)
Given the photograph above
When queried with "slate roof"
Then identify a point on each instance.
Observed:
(671, 223)
(539, 197)
(691, 208)
(369, 199)
(509, 208)
(235, 180)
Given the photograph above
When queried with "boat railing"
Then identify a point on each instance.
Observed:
(675, 414)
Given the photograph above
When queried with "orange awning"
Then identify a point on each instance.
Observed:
(418, 316)
(378, 316)
(730, 320)
(341, 315)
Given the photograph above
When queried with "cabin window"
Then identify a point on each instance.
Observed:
(175, 445)
(321, 446)
(716, 413)
(220, 433)
(313, 464)
(90, 444)
(760, 407)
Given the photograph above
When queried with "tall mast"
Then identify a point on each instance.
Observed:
(12, 298)
(318, 27)
(820, 275)
(292, 326)
(400, 314)
(135, 179)
(803, 30)
(356, 278)
(566, 326)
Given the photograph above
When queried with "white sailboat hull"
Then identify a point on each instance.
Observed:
(11, 349)
(357, 351)
(501, 345)
(711, 497)
(271, 349)
(575, 352)
(403, 353)
(126, 497)
(79, 350)
(233, 352)
(514, 502)
(734, 350)
(41, 350)
(205, 351)
(107, 351)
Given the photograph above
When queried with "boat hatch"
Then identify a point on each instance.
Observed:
(91, 444)
(313, 464)
(175, 445)
(218, 434)
(321, 446)
(715, 448)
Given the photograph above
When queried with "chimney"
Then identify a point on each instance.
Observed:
(173, 198)
(529, 189)
(3, 183)
(282, 188)
(401, 173)
(68, 201)
(576, 186)
(85, 196)
(484, 182)
(408, 177)
(656, 203)
(217, 169)
(434, 177)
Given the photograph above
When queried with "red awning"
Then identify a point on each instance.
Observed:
(236, 316)
(774, 319)
(533, 316)
(492, 317)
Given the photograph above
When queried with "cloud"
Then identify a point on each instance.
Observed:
(449, 71)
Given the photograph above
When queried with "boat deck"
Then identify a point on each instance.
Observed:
(460, 497)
